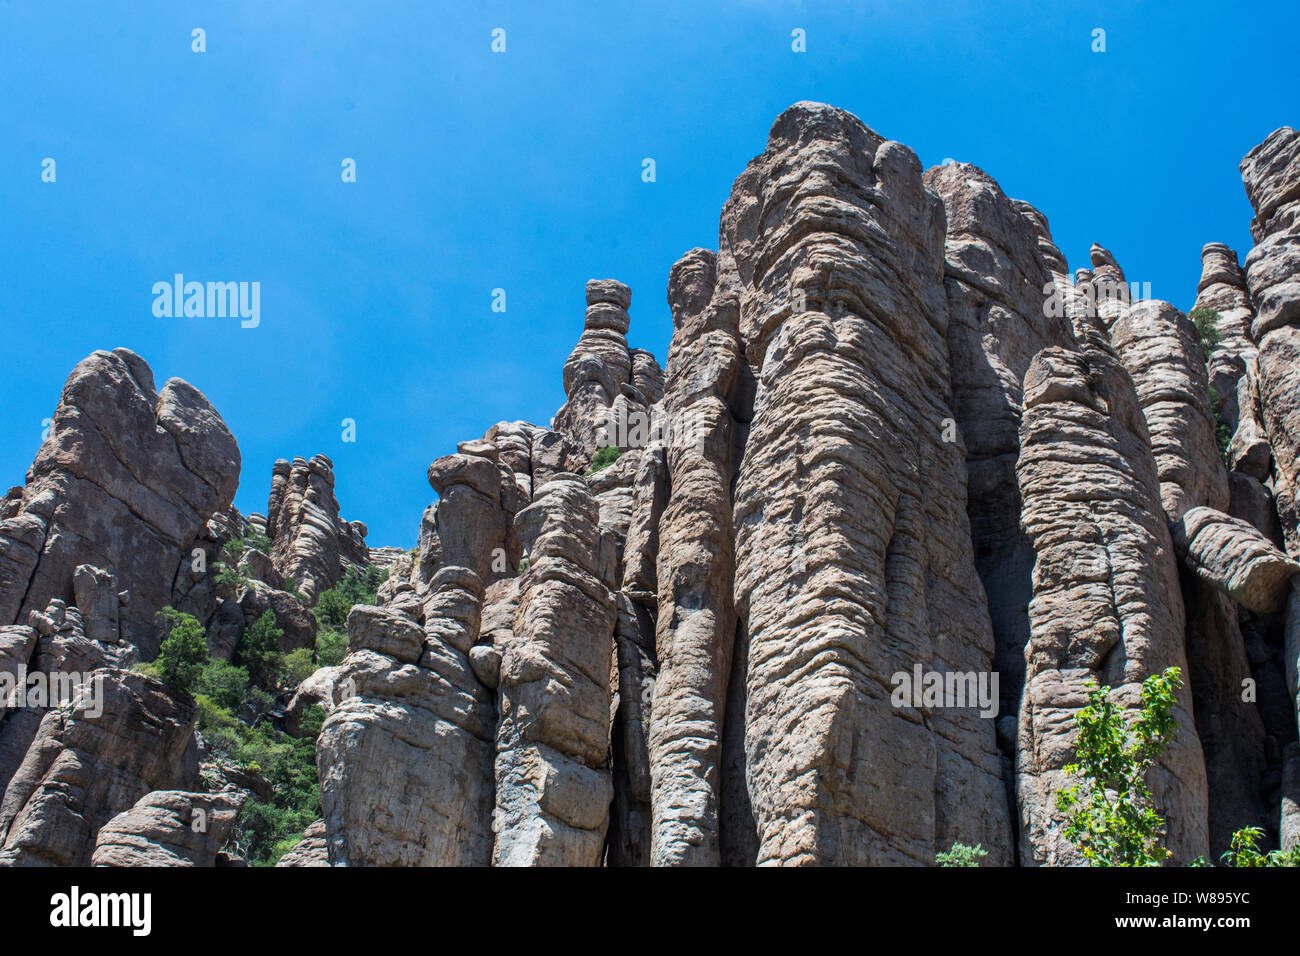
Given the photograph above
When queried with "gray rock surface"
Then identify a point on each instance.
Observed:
(168, 828)
(122, 736)
(553, 788)
(310, 542)
(853, 547)
(125, 482)
(1107, 606)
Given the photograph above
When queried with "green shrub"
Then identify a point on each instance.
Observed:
(1207, 328)
(183, 652)
(603, 458)
(1110, 815)
(1244, 851)
(259, 651)
(299, 665)
(289, 766)
(331, 646)
(228, 577)
(223, 683)
(355, 587)
(962, 855)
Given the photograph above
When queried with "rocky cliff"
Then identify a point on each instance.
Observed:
(830, 588)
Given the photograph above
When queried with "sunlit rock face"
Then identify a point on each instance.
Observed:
(853, 547)
(1107, 608)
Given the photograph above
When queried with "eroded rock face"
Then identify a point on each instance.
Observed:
(1271, 173)
(609, 388)
(169, 828)
(852, 540)
(1107, 606)
(1158, 346)
(405, 756)
(696, 622)
(312, 850)
(122, 736)
(1223, 289)
(1229, 560)
(553, 788)
(310, 542)
(998, 279)
(124, 483)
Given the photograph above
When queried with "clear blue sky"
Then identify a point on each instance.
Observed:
(522, 171)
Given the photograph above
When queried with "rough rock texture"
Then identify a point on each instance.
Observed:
(1233, 556)
(629, 840)
(478, 497)
(997, 276)
(1106, 604)
(123, 735)
(316, 691)
(125, 482)
(609, 388)
(1290, 828)
(1158, 345)
(535, 455)
(168, 828)
(405, 756)
(1223, 289)
(553, 790)
(312, 850)
(310, 543)
(1271, 173)
(696, 622)
(853, 547)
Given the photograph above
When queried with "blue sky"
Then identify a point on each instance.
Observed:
(522, 171)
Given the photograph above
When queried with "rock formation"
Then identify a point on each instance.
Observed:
(405, 756)
(696, 621)
(124, 483)
(853, 547)
(121, 736)
(168, 828)
(552, 788)
(1106, 606)
(998, 278)
(907, 490)
(310, 543)
(609, 387)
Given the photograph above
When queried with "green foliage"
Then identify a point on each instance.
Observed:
(356, 587)
(265, 828)
(1207, 330)
(603, 458)
(254, 539)
(227, 577)
(1222, 433)
(962, 855)
(1244, 851)
(223, 683)
(259, 651)
(331, 645)
(333, 606)
(313, 718)
(299, 665)
(523, 565)
(1110, 815)
(183, 652)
